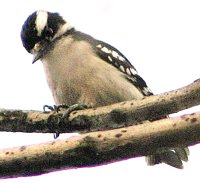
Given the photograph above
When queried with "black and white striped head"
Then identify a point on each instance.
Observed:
(41, 28)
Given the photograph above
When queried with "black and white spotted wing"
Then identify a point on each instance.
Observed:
(115, 58)
(118, 60)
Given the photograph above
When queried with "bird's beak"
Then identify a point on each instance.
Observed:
(37, 52)
(36, 58)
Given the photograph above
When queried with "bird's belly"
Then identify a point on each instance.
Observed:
(94, 91)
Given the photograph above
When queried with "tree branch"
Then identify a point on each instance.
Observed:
(97, 148)
(102, 118)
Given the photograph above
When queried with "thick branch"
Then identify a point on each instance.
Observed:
(96, 148)
(102, 118)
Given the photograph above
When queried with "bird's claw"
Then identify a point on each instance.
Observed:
(75, 107)
(69, 110)
(56, 135)
(55, 107)
(49, 107)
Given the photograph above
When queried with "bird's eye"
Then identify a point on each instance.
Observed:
(48, 32)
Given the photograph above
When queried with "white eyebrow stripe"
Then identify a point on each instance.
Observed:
(41, 21)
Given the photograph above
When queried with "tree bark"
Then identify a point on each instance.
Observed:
(96, 148)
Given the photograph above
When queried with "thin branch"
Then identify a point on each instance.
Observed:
(102, 118)
(97, 148)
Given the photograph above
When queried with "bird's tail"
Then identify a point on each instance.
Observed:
(172, 157)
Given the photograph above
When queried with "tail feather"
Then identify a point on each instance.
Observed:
(173, 157)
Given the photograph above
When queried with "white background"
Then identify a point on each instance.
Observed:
(161, 38)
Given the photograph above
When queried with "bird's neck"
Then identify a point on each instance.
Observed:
(64, 29)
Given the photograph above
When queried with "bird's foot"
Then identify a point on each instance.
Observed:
(55, 107)
(72, 108)
(69, 110)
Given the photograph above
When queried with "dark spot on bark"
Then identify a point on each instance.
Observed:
(163, 100)
(193, 120)
(187, 119)
(66, 141)
(118, 135)
(74, 112)
(118, 116)
(140, 123)
(107, 126)
(7, 153)
(124, 131)
(48, 154)
(99, 136)
(12, 153)
(22, 148)
(131, 103)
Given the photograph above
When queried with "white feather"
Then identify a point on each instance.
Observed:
(41, 21)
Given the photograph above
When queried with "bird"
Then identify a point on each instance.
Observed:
(83, 70)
